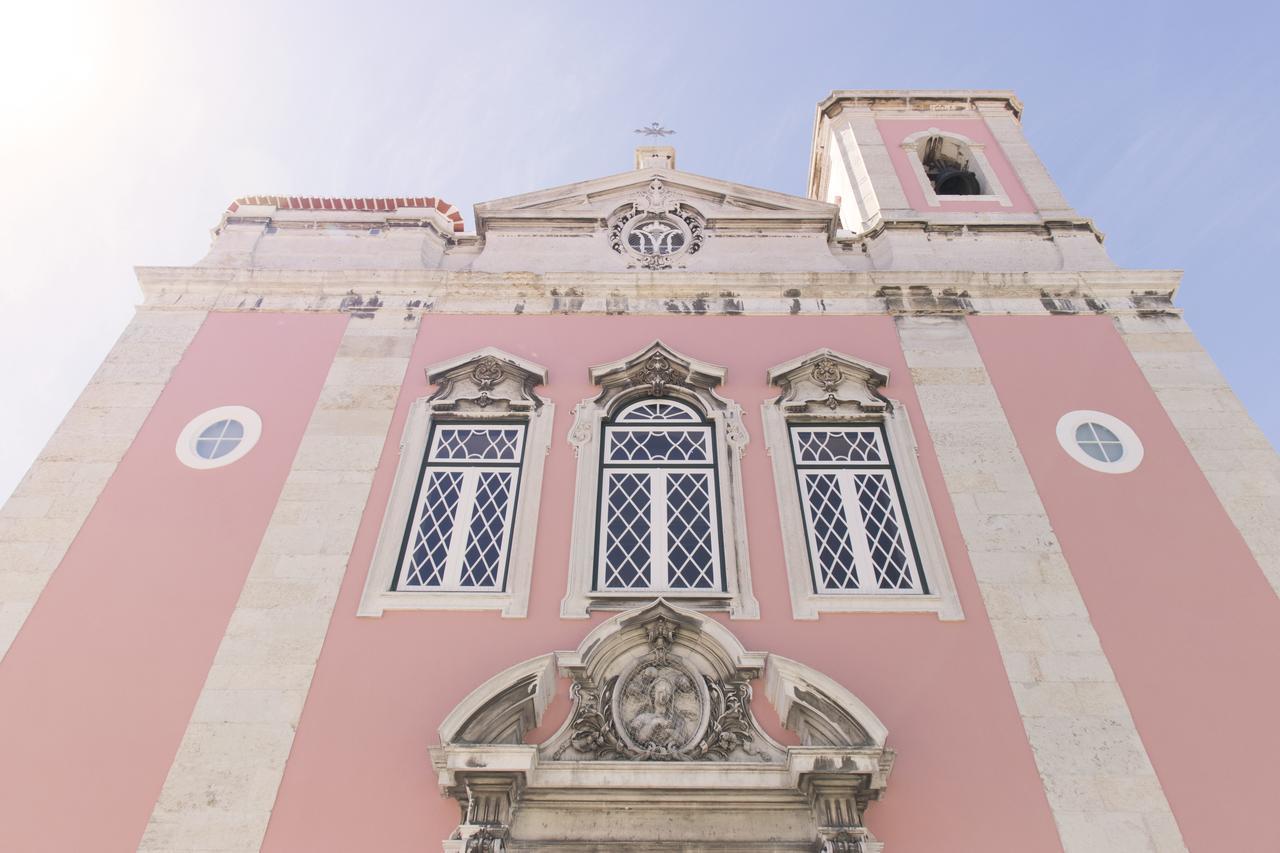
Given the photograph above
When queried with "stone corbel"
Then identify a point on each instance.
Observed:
(488, 802)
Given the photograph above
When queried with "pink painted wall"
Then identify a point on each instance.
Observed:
(359, 777)
(1184, 613)
(97, 689)
(894, 130)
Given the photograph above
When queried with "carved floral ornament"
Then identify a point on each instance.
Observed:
(486, 382)
(655, 229)
(826, 379)
(658, 693)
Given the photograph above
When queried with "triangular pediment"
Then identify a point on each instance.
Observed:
(595, 200)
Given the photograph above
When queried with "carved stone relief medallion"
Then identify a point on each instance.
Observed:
(661, 707)
(655, 228)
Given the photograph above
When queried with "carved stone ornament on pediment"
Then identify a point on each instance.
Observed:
(486, 382)
(661, 748)
(655, 229)
(828, 383)
(659, 371)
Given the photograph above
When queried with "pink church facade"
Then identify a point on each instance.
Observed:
(658, 513)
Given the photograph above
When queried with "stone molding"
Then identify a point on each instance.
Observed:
(482, 385)
(681, 680)
(1101, 787)
(47, 509)
(222, 784)
(368, 291)
(826, 386)
(659, 371)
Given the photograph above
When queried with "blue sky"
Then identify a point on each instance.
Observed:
(129, 126)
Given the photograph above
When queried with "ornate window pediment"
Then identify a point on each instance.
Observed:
(858, 528)
(658, 507)
(661, 724)
(459, 527)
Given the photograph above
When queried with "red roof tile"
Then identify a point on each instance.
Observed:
(332, 203)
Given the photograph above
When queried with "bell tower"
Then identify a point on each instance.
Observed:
(912, 164)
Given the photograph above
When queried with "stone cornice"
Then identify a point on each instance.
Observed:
(920, 98)
(411, 293)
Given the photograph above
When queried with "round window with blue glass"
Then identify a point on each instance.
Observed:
(218, 437)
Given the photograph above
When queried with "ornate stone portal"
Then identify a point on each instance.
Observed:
(660, 750)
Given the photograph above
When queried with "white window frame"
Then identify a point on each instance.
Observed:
(1130, 458)
(488, 386)
(830, 389)
(845, 474)
(993, 190)
(659, 372)
(459, 538)
(186, 445)
(657, 472)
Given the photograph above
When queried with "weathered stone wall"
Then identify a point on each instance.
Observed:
(1233, 454)
(40, 520)
(223, 782)
(1101, 787)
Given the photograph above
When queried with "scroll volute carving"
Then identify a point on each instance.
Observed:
(827, 383)
(488, 382)
(656, 371)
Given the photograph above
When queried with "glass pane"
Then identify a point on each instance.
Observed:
(656, 410)
(206, 447)
(627, 523)
(671, 444)
(832, 545)
(219, 438)
(1099, 442)
(884, 532)
(429, 550)
(215, 430)
(846, 445)
(1105, 435)
(483, 561)
(493, 444)
(691, 562)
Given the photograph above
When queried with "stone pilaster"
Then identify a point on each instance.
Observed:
(47, 509)
(223, 783)
(1099, 780)
(1233, 454)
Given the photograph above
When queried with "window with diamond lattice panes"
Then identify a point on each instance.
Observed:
(659, 516)
(460, 532)
(856, 526)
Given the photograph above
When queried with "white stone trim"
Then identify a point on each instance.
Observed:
(224, 779)
(857, 405)
(982, 167)
(556, 790)
(461, 291)
(1235, 456)
(1130, 458)
(1077, 721)
(44, 515)
(186, 445)
(693, 382)
(442, 407)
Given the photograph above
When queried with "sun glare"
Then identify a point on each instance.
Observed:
(49, 59)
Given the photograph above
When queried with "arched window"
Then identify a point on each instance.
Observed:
(951, 167)
(658, 507)
(659, 518)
